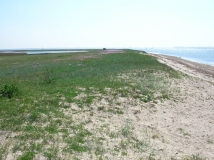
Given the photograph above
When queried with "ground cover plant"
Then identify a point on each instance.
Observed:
(76, 105)
(9, 91)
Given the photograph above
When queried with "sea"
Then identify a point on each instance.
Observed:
(51, 52)
(197, 54)
(38, 51)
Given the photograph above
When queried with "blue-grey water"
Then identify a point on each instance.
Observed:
(201, 55)
(50, 52)
(38, 51)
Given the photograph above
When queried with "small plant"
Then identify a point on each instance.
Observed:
(115, 110)
(47, 77)
(182, 132)
(3, 151)
(27, 156)
(34, 116)
(155, 136)
(126, 131)
(195, 157)
(186, 134)
(180, 129)
(9, 91)
(151, 156)
(101, 108)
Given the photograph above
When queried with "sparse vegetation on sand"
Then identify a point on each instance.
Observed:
(81, 105)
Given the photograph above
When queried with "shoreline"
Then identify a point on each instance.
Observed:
(185, 58)
(188, 117)
(195, 69)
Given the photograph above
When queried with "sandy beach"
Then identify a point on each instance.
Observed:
(187, 122)
(191, 68)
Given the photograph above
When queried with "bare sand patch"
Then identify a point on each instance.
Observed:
(112, 51)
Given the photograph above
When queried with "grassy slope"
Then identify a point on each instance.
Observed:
(33, 121)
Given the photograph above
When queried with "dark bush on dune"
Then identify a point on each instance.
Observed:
(9, 91)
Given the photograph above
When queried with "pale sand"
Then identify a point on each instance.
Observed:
(188, 123)
(202, 71)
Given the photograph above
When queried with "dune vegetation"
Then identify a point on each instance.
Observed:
(81, 105)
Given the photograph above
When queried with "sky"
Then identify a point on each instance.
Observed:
(106, 23)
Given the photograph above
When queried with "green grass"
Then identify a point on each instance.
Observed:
(27, 156)
(45, 81)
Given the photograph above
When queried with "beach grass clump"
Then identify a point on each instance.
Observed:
(9, 91)
(47, 79)
(26, 156)
(126, 131)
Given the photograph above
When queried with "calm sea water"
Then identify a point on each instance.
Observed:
(202, 55)
(48, 52)
(37, 51)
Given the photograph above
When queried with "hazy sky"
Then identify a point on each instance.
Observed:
(106, 23)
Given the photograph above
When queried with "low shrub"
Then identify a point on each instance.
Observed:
(9, 91)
